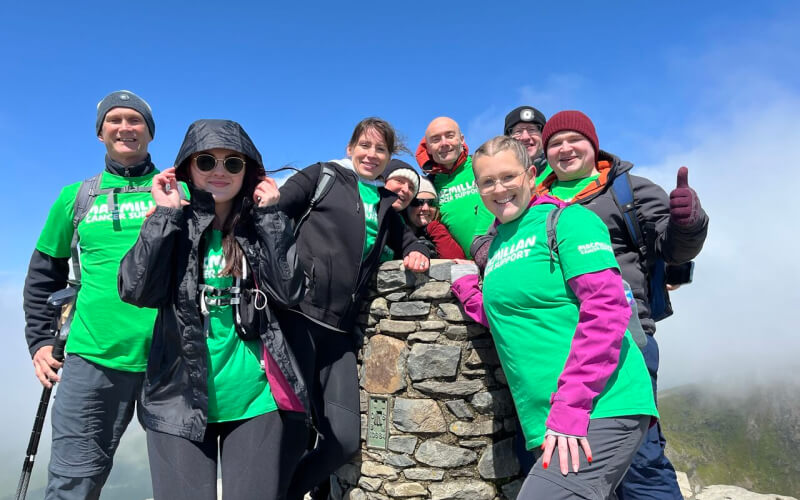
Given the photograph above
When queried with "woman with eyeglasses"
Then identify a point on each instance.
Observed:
(221, 384)
(340, 238)
(422, 215)
(554, 301)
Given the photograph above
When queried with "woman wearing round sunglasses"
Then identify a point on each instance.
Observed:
(221, 384)
(422, 215)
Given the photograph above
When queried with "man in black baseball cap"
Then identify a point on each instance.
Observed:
(525, 124)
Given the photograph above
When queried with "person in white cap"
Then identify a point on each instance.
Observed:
(401, 179)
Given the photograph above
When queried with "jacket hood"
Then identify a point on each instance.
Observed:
(209, 134)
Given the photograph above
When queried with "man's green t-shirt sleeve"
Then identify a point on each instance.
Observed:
(483, 219)
(584, 245)
(56, 234)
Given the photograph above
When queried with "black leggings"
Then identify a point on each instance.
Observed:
(329, 364)
(258, 455)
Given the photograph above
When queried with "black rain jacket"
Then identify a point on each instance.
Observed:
(675, 244)
(163, 268)
(331, 241)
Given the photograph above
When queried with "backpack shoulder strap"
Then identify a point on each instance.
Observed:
(552, 224)
(622, 191)
(327, 175)
(324, 183)
(87, 192)
(83, 200)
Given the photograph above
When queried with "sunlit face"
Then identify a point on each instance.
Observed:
(444, 141)
(504, 185)
(404, 190)
(571, 156)
(420, 215)
(530, 136)
(125, 135)
(369, 154)
(222, 185)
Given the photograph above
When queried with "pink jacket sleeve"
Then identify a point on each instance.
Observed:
(468, 291)
(594, 354)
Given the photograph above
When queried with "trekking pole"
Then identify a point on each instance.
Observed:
(62, 302)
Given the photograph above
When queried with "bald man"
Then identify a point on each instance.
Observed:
(444, 156)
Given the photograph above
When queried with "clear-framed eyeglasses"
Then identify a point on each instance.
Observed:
(487, 185)
(532, 131)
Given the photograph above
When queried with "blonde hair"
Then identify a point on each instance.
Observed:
(503, 143)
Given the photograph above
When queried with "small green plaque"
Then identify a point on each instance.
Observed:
(377, 431)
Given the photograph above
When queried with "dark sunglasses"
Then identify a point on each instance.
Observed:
(207, 162)
(418, 202)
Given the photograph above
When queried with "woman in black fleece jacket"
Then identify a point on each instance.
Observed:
(339, 243)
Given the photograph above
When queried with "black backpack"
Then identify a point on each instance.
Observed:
(660, 305)
(87, 192)
(634, 325)
(325, 180)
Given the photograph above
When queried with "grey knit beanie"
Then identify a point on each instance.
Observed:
(125, 99)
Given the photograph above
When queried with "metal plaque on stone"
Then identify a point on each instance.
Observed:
(377, 430)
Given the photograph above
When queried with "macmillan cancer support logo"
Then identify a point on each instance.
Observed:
(457, 191)
(126, 211)
(520, 249)
(593, 247)
(370, 212)
(213, 265)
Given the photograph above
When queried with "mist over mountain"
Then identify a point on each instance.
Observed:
(746, 435)
(129, 479)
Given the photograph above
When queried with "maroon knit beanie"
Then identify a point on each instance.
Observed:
(570, 120)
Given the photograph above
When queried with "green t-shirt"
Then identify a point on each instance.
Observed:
(460, 206)
(566, 190)
(237, 385)
(370, 199)
(105, 330)
(545, 172)
(533, 320)
(387, 254)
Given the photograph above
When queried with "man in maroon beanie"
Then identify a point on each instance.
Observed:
(674, 228)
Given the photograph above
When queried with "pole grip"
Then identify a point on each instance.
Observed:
(58, 348)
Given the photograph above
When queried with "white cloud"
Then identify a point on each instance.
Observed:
(21, 390)
(736, 319)
(21, 393)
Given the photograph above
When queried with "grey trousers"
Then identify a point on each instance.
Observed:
(614, 442)
(92, 408)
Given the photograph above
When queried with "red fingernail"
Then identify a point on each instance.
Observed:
(544, 465)
(589, 459)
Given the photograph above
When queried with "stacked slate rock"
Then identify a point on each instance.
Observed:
(450, 417)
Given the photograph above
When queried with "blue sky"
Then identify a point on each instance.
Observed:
(298, 78)
(711, 85)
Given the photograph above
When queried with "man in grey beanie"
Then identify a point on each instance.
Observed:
(109, 340)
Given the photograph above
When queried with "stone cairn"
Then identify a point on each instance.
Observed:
(437, 420)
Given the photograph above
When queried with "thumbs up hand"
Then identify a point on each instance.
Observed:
(684, 205)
